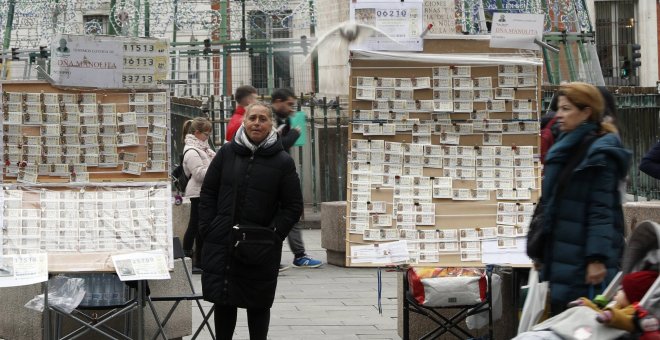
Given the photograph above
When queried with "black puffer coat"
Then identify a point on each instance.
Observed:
(269, 195)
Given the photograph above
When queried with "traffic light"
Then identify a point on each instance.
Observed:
(634, 56)
(43, 51)
(207, 46)
(304, 44)
(243, 44)
(14, 53)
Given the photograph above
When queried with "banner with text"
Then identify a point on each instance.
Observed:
(108, 62)
(516, 30)
(89, 61)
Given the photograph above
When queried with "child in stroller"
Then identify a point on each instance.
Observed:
(624, 311)
(641, 259)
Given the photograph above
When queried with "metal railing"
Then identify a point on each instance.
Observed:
(321, 161)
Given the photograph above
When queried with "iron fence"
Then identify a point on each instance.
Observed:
(321, 161)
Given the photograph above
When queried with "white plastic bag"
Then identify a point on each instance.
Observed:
(477, 321)
(63, 292)
(534, 306)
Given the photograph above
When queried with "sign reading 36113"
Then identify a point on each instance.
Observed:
(138, 62)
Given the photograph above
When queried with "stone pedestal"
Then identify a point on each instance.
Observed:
(180, 217)
(636, 212)
(333, 231)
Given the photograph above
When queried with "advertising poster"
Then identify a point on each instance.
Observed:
(400, 20)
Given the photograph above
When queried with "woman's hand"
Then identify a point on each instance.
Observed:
(596, 272)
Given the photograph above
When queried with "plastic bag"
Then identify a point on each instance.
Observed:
(479, 320)
(534, 306)
(64, 292)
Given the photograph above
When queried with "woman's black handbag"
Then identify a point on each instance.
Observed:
(255, 245)
(535, 235)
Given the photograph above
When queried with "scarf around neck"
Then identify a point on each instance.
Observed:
(194, 142)
(242, 139)
(568, 141)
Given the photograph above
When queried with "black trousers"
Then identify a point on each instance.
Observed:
(225, 322)
(192, 233)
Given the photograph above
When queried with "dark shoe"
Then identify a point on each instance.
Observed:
(197, 270)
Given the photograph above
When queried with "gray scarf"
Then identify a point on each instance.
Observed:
(243, 140)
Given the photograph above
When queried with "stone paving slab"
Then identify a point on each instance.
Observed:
(327, 303)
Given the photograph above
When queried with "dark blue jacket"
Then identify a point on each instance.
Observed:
(586, 222)
(650, 164)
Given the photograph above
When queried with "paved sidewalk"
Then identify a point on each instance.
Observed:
(325, 303)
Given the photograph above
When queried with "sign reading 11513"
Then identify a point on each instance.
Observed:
(138, 47)
(391, 13)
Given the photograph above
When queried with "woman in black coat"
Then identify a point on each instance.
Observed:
(251, 181)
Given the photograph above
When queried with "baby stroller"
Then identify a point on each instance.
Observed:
(642, 253)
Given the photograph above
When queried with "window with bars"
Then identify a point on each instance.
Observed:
(96, 24)
(265, 26)
(615, 32)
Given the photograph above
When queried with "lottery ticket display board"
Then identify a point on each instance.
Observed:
(443, 156)
(85, 172)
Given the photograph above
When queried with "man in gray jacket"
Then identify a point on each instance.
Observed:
(282, 102)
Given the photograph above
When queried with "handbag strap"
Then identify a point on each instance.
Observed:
(237, 168)
(573, 162)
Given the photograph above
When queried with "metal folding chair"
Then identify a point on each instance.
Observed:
(94, 322)
(191, 296)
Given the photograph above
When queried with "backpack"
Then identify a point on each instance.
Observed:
(179, 175)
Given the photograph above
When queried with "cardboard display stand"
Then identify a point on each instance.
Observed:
(86, 174)
(443, 154)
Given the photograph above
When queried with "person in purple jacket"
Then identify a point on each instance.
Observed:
(650, 164)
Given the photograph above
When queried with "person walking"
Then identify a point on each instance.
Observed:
(251, 182)
(583, 217)
(197, 156)
(282, 102)
(245, 95)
